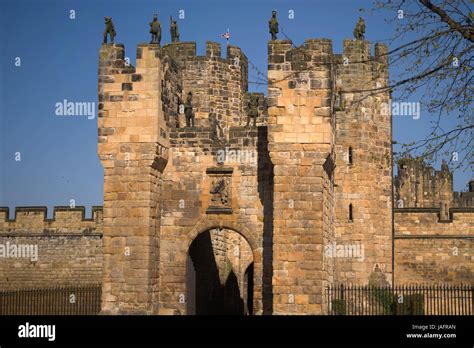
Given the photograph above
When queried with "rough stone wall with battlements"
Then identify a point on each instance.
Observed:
(218, 84)
(40, 252)
(419, 185)
(434, 226)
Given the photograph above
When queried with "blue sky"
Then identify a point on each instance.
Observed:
(59, 60)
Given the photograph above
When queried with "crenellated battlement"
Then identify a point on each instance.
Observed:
(33, 220)
(342, 78)
(182, 51)
(218, 84)
(420, 185)
(313, 50)
(428, 216)
(37, 251)
(429, 222)
(465, 199)
(313, 46)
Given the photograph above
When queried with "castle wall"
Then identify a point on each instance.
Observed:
(40, 252)
(363, 175)
(428, 250)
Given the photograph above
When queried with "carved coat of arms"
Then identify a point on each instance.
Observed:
(220, 190)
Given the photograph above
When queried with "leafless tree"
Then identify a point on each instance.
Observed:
(432, 51)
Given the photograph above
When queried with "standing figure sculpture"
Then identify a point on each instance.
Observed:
(339, 100)
(109, 29)
(155, 30)
(174, 30)
(188, 110)
(252, 110)
(359, 30)
(273, 25)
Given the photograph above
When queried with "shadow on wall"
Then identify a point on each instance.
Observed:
(210, 297)
(265, 191)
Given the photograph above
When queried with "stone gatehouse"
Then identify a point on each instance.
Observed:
(224, 216)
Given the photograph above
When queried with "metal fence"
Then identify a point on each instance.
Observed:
(61, 300)
(401, 300)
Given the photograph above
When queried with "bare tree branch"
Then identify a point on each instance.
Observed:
(466, 31)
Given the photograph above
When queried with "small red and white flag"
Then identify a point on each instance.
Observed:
(226, 35)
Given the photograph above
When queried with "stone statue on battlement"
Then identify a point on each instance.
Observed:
(252, 110)
(109, 29)
(155, 30)
(445, 167)
(188, 110)
(174, 30)
(339, 100)
(359, 30)
(273, 25)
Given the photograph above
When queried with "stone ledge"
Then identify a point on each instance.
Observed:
(219, 170)
(218, 210)
(432, 236)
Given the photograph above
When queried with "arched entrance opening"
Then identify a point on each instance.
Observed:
(219, 274)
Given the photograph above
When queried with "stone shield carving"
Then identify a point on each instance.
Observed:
(220, 190)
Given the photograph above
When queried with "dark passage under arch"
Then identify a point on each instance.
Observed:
(219, 274)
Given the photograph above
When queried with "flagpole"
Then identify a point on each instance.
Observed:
(226, 36)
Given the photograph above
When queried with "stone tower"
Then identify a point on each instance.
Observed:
(329, 142)
(301, 145)
(363, 176)
(133, 148)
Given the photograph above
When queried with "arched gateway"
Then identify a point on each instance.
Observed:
(216, 268)
(219, 274)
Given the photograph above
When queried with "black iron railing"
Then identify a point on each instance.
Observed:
(61, 300)
(401, 300)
